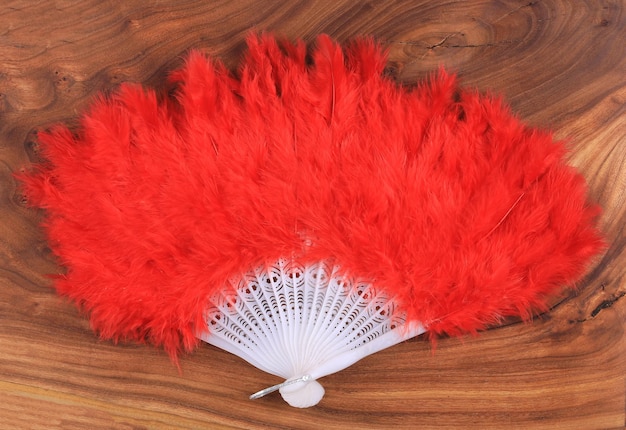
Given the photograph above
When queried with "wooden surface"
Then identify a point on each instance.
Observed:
(560, 64)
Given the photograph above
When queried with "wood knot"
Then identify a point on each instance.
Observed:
(62, 80)
(31, 147)
(20, 199)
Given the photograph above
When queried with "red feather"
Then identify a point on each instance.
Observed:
(437, 194)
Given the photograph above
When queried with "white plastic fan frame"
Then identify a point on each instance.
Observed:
(303, 323)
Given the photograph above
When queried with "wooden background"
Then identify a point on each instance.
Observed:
(561, 65)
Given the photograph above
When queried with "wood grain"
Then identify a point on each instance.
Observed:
(560, 64)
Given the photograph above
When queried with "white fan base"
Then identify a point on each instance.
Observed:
(304, 323)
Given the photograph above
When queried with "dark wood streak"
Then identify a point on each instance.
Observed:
(561, 64)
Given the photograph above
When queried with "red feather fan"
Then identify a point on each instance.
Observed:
(437, 199)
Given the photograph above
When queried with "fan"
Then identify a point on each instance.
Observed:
(302, 323)
(307, 211)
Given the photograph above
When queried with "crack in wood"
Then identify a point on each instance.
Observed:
(441, 42)
(605, 304)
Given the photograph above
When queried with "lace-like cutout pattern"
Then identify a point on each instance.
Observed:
(286, 319)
